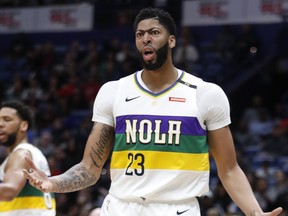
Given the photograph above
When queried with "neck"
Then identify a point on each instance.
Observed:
(18, 142)
(160, 79)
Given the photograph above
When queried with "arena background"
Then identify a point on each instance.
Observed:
(55, 55)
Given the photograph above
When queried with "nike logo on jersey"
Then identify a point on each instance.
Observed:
(130, 99)
(181, 212)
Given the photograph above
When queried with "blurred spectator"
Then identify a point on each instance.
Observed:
(266, 170)
(91, 86)
(45, 143)
(242, 136)
(49, 60)
(186, 52)
(68, 88)
(124, 53)
(263, 126)
(70, 150)
(62, 204)
(91, 58)
(44, 121)
(77, 100)
(76, 51)
(108, 69)
(14, 92)
(277, 143)
(36, 60)
(84, 202)
(59, 157)
(261, 193)
(33, 91)
(209, 206)
(21, 46)
(127, 59)
(221, 197)
(57, 129)
(279, 186)
(51, 89)
(257, 119)
(225, 42)
(251, 113)
(55, 166)
(213, 212)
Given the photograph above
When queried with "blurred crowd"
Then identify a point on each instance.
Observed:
(60, 85)
(61, 82)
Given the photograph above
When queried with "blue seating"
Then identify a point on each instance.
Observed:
(6, 76)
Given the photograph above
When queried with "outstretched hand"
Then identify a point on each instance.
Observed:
(275, 212)
(37, 178)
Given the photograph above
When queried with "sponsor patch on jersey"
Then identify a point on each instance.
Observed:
(177, 99)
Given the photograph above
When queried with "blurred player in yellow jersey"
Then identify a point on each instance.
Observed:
(17, 196)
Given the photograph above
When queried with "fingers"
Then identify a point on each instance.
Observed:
(277, 211)
(27, 174)
(30, 163)
(32, 180)
(35, 176)
(31, 169)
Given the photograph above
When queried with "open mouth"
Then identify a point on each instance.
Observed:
(148, 53)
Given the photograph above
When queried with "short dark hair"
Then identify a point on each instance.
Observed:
(23, 111)
(162, 16)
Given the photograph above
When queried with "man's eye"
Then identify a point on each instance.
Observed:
(7, 119)
(139, 35)
(155, 32)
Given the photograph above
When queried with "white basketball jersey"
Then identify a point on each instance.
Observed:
(160, 152)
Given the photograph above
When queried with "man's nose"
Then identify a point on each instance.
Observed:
(146, 38)
(1, 122)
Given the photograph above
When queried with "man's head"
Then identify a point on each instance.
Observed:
(155, 32)
(15, 119)
(164, 18)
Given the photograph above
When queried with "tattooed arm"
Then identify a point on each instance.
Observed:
(83, 174)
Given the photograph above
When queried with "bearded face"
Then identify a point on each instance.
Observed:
(10, 126)
(10, 140)
(161, 57)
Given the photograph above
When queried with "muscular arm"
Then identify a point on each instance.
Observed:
(216, 114)
(229, 172)
(14, 180)
(88, 171)
(83, 174)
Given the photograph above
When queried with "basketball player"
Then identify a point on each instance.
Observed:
(17, 196)
(161, 123)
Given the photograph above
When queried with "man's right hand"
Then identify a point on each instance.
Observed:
(37, 178)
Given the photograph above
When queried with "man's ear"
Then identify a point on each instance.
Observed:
(24, 126)
(172, 41)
